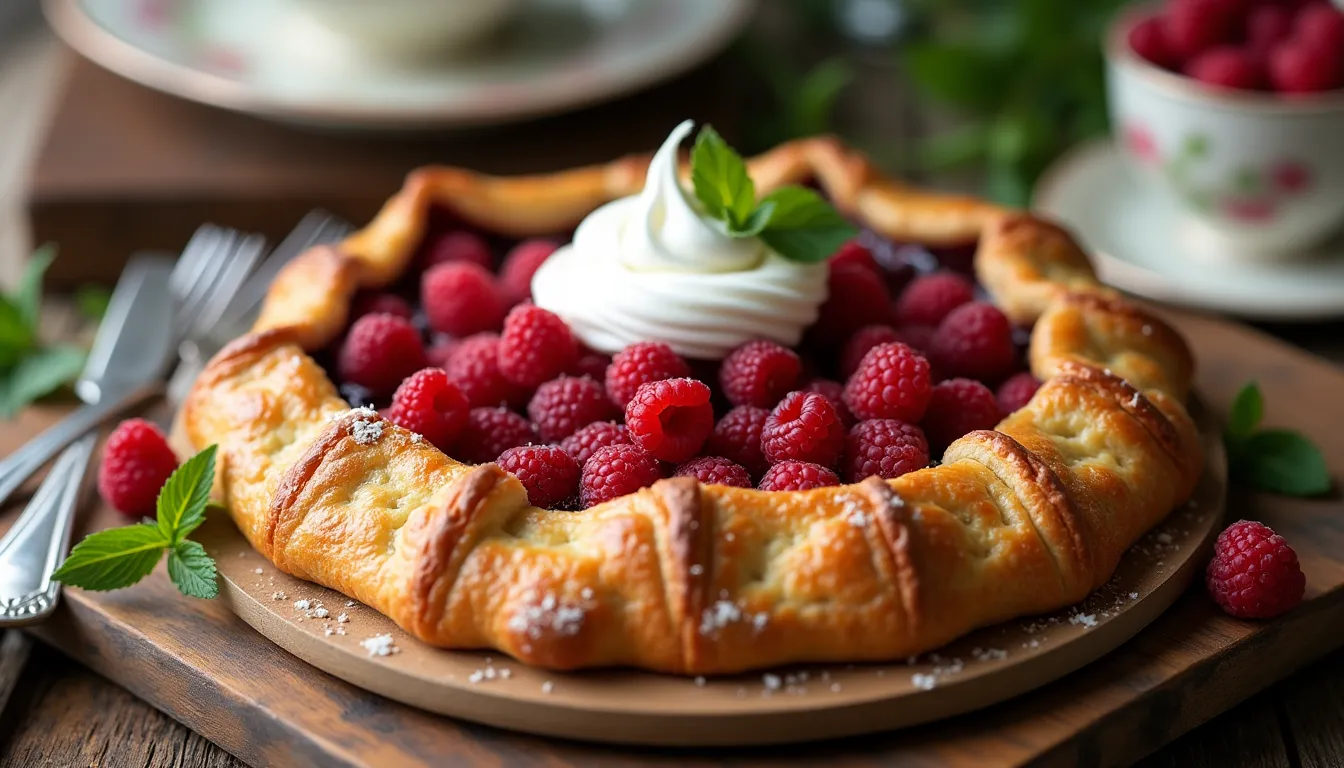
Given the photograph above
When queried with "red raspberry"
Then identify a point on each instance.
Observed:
(929, 298)
(639, 364)
(550, 475)
(386, 303)
(536, 346)
(136, 463)
(886, 448)
(759, 373)
(892, 382)
(1016, 392)
(1295, 67)
(975, 341)
(379, 351)
(834, 392)
(864, 339)
(856, 296)
(461, 298)
(670, 418)
(474, 367)
(1225, 66)
(616, 470)
(515, 277)
(459, 245)
(591, 364)
(917, 336)
(1254, 574)
(430, 404)
(1321, 26)
(853, 252)
(737, 437)
(561, 406)
(1194, 26)
(1148, 38)
(600, 434)
(715, 470)
(1266, 27)
(490, 432)
(797, 476)
(441, 351)
(958, 406)
(803, 427)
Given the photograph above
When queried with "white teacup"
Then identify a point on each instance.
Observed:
(1259, 176)
(408, 29)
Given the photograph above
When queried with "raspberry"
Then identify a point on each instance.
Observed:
(379, 351)
(599, 434)
(461, 298)
(136, 463)
(459, 245)
(759, 373)
(975, 341)
(917, 336)
(856, 296)
(536, 346)
(929, 298)
(1016, 392)
(591, 364)
(441, 351)
(1254, 574)
(854, 252)
(616, 470)
(1321, 26)
(1149, 40)
(386, 303)
(515, 277)
(474, 367)
(1295, 67)
(803, 427)
(670, 418)
(1225, 66)
(1194, 26)
(737, 437)
(639, 364)
(886, 448)
(958, 406)
(834, 392)
(1266, 27)
(550, 475)
(715, 470)
(430, 404)
(864, 339)
(892, 382)
(490, 432)
(561, 406)
(797, 476)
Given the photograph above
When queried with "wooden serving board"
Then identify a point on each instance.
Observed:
(203, 665)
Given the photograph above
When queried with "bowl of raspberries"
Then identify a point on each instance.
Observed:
(1235, 109)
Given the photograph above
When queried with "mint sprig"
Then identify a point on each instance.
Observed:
(793, 221)
(120, 557)
(1276, 460)
(30, 369)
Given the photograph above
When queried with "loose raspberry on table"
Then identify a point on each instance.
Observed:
(1254, 573)
(864, 339)
(386, 303)
(550, 475)
(490, 432)
(592, 364)
(536, 346)
(803, 427)
(431, 405)
(856, 296)
(1194, 26)
(456, 246)
(958, 406)
(886, 448)
(136, 463)
(670, 418)
(1016, 392)
(892, 382)
(929, 298)
(797, 476)
(474, 367)
(974, 341)
(1226, 66)
(833, 391)
(616, 470)
(562, 405)
(1148, 39)
(854, 252)
(715, 470)
(461, 298)
(586, 440)
(639, 364)
(759, 373)
(521, 263)
(1295, 67)
(737, 437)
(379, 351)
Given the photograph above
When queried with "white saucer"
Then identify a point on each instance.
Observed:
(1132, 235)
(263, 57)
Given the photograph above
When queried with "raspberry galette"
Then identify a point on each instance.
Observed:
(687, 440)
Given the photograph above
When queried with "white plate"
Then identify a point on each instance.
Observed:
(1133, 235)
(263, 57)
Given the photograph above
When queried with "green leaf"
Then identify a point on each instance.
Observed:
(1008, 185)
(38, 374)
(92, 301)
(960, 74)
(1283, 461)
(757, 221)
(803, 227)
(952, 148)
(112, 559)
(16, 335)
(719, 177)
(192, 570)
(815, 97)
(1247, 410)
(182, 501)
(28, 296)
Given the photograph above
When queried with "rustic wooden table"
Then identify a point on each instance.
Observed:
(56, 713)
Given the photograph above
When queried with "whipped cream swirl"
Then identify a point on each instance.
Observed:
(652, 268)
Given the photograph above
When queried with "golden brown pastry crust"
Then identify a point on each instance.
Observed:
(683, 577)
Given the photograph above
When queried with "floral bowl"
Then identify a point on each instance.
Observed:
(1258, 176)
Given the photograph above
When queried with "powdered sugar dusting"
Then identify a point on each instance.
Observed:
(380, 645)
(366, 432)
(548, 614)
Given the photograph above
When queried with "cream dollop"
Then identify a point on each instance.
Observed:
(651, 268)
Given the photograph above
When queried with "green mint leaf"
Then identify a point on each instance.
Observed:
(16, 335)
(1283, 461)
(38, 374)
(92, 301)
(719, 178)
(803, 227)
(112, 559)
(757, 221)
(28, 297)
(192, 570)
(1247, 410)
(182, 501)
